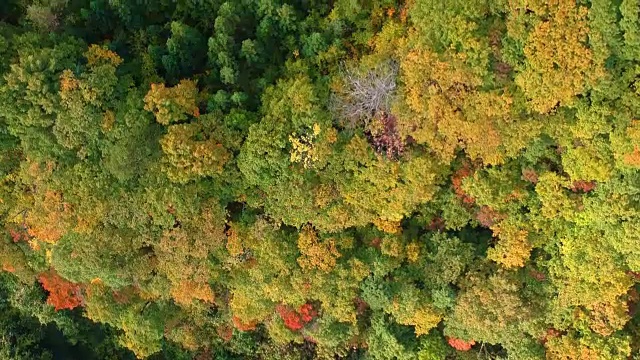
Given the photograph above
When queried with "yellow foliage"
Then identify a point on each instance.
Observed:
(627, 144)
(303, 149)
(188, 157)
(569, 348)
(565, 348)
(589, 275)
(390, 227)
(552, 193)
(248, 305)
(108, 119)
(413, 251)
(282, 335)
(186, 336)
(384, 190)
(234, 244)
(172, 104)
(316, 254)
(410, 311)
(513, 249)
(185, 292)
(606, 318)
(324, 194)
(445, 111)
(182, 255)
(97, 55)
(559, 63)
(424, 319)
(392, 246)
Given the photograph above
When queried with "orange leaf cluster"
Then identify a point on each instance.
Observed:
(46, 221)
(68, 81)
(460, 344)
(18, 235)
(242, 326)
(456, 182)
(62, 293)
(225, 332)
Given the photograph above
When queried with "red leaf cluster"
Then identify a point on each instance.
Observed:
(486, 216)
(386, 140)
(361, 305)
(633, 302)
(539, 276)
(460, 344)
(437, 223)
(18, 235)
(530, 175)
(583, 186)
(296, 320)
(62, 293)
(307, 312)
(225, 332)
(550, 334)
(456, 181)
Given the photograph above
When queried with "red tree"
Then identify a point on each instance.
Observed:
(295, 320)
(62, 293)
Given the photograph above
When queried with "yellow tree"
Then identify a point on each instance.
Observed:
(183, 254)
(445, 109)
(190, 153)
(172, 104)
(559, 64)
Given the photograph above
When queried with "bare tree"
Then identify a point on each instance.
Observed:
(44, 14)
(365, 93)
(42, 17)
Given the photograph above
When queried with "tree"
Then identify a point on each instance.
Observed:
(554, 52)
(317, 179)
(190, 155)
(62, 294)
(172, 104)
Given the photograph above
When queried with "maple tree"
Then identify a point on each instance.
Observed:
(62, 293)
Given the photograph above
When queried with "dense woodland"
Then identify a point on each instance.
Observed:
(320, 179)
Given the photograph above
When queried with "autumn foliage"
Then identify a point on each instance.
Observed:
(460, 344)
(353, 179)
(296, 319)
(62, 293)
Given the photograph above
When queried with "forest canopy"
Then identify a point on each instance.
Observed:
(320, 179)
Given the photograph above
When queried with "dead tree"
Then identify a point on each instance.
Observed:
(365, 94)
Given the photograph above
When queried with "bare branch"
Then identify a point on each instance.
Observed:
(365, 94)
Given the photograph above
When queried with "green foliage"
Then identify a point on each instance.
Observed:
(270, 179)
